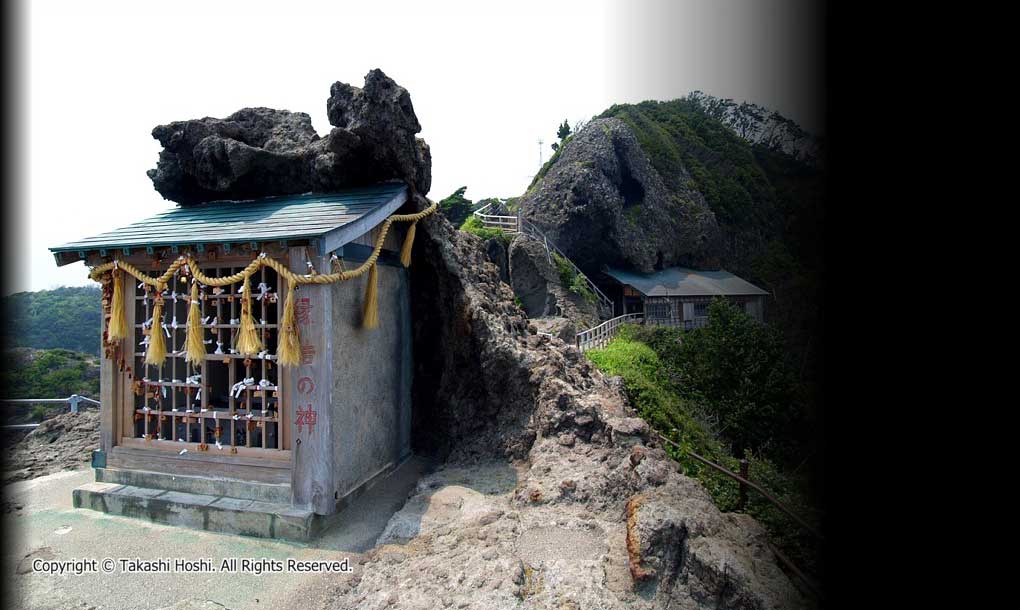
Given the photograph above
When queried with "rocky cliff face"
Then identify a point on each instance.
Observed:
(536, 282)
(602, 202)
(552, 492)
(257, 152)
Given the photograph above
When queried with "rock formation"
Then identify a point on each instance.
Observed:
(552, 491)
(258, 152)
(536, 282)
(602, 202)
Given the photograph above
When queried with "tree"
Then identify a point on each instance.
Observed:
(563, 131)
(456, 207)
(736, 367)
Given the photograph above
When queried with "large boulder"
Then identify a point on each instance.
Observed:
(536, 281)
(603, 203)
(258, 152)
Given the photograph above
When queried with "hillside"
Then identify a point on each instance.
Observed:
(67, 318)
(769, 204)
(698, 182)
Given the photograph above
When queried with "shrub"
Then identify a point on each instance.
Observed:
(736, 367)
(456, 207)
(651, 360)
(572, 280)
(474, 226)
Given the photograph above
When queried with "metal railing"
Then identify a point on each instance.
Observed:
(601, 335)
(510, 224)
(745, 484)
(604, 303)
(517, 224)
(74, 401)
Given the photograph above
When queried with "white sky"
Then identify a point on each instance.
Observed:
(487, 81)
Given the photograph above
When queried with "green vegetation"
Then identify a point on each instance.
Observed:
(457, 208)
(55, 373)
(573, 280)
(759, 174)
(548, 164)
(563, 131)
(67, 317)
(724, 392)
(474, 226)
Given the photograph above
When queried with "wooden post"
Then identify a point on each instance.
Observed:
(310, 392)
(742, 500)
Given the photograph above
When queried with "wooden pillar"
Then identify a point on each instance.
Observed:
(309, 391)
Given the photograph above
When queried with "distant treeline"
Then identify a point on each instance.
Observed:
(67, 318)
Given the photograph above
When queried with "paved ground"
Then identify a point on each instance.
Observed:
(46, 526)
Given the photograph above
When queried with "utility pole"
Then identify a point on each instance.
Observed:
(540, 153)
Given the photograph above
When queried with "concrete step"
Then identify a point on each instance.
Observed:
(208, 512)
(207, 486)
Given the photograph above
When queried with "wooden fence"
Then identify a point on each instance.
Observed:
(745, 484)
(601, 335)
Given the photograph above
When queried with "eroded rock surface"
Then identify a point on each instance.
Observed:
(259, 152)
(602, 202)
(536, 282)
(64, 442)
(552, 493)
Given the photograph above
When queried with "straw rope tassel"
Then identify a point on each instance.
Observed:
(405, 251)
(371, 319)
(195, 349)
(157, 342)
(118, 323)
(289, 351)
(248, 341)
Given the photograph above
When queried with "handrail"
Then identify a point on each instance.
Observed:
(808, 582)
(73, 400)
(529, 227)
(516, 224)
(604, 332)
(744, 481)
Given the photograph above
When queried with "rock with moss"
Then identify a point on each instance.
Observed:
(603, 203)
(544, 291)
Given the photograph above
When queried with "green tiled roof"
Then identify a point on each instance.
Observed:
(289, 217)
(679, 281)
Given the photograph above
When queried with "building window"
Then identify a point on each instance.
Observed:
(657, 310)
(701, 309)
(210, 403)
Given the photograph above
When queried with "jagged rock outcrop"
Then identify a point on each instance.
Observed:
(536, 282)
(258, 152)
(552, 493)
(496, 250)
(603, 203)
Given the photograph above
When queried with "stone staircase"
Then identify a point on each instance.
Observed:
(216, 504)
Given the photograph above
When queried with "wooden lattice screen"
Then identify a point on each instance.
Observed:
(228, 404)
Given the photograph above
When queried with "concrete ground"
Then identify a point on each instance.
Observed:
(47, 526)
